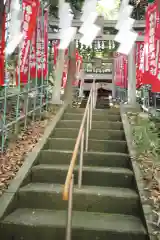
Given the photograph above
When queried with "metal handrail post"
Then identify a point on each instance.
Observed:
(93, 99)
(95, 96)
(81, 161)
(94, 89)
(87, 130)
(69, 212)
(91, 109)
(93, 93)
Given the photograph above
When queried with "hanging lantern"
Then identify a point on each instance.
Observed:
(95, 46)
(102, 46)
(113, 44)
(99, 45)
(77, 44)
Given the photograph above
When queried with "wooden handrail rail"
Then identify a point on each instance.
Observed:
(75, 152)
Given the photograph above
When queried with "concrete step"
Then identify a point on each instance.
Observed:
(93, 145)
(110, 111)
(105, 103)
(95, 124)
(102, 134)
(83, 103)
(92, 176)
(99, 134)
(88, 198)
(102, 103)
(96, 111)
(96, 117)
(90, 158)
(102, 106)
(107, 145)
(40, 224)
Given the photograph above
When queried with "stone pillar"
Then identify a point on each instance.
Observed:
(81, 84)
(68, 92)
(56, 95)
(131, 78)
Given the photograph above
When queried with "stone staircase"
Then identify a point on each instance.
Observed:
(107, 207)
(84, 102)
(102, 103)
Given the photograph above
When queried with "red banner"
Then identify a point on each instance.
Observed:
(65, 70)
(156, 82)
(125, 71)
(33, 55)
(152, 42)
(2, 53)
(121, 70)
(78, 68)
(45, 64)
(139, 63)
(157, 3)
(42, 45)
(55, 47)
(30, 10)
(146, 77)
(117, 67)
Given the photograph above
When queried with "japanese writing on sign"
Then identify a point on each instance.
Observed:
(158, 59)
(152, 49)
(39, 44)
(141, 64)
(25, 45)
(33, 52)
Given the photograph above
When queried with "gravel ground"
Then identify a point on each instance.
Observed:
(148, 159)
(13, 158)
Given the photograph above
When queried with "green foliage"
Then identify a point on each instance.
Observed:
(138, 11)
(154, 115)
(146, 137)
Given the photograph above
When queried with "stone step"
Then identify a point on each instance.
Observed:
(90, 158)
(95, 124)
(88, 198)
(93, 145)
(96, 111)
(103, 134)
(102, 100)
(105, 103)
(107, 145)
(96, 117)
(112, 111)
(83, 103)
(99, 134)
(102, 106)
(33, 224)
(92, 176)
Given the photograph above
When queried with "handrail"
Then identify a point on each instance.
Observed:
(74, 155)
(69, 182)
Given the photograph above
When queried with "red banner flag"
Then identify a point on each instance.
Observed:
(45, 56)
(33, 55)
(2, 53)
(156, 82)
(139, 63)
(30, 10)
(150, 48)
(42, 45)
(125, 63)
